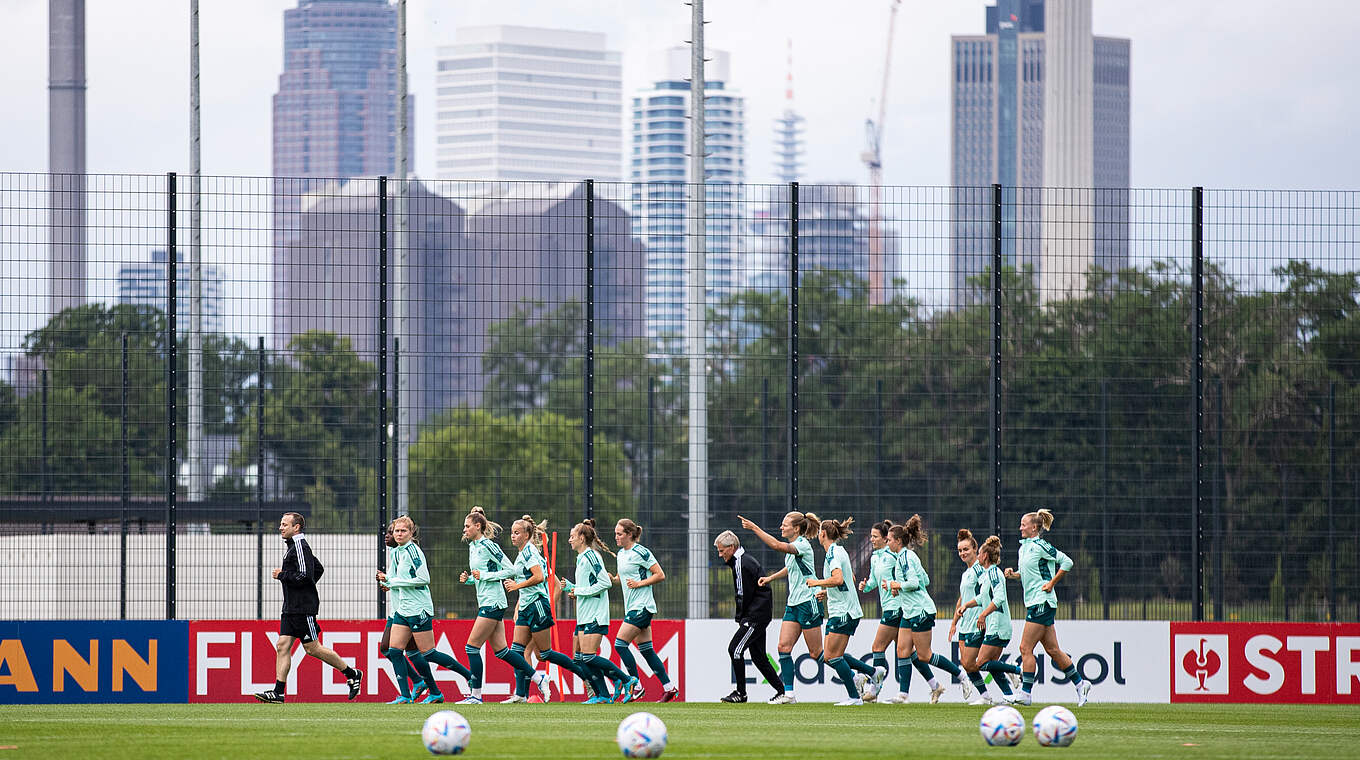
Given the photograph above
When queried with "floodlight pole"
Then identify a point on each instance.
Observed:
(696, 317)
(197, 488)
(403, 299)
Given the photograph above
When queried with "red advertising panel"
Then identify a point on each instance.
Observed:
(1317, 663)
(231, 660)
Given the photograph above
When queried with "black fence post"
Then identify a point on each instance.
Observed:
(1220, 533)
(651, 449)
(171, 391)
(588, 464)
(1331, 500)
(259, 483)
(1197, 409)
(995, 426)
(1105, 500)
(382, 385)
(879, 456)
(765, 463)
(793, 348)
(125, 490)
(45, 477)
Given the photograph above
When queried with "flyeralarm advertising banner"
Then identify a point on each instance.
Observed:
(1317, 663)
(231, 660)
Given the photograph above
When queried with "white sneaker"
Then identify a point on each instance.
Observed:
(936, 693)
(900, 699)
(513, 699)
(541, 683)
(982, 699)
(861, 682)
(968, 691)
(849, 702)
(1083, 693)
(783, 699)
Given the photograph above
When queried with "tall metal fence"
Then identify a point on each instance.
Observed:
(1174, 373)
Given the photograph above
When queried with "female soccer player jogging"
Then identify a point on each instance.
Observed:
(918, 609)
(837, 584)
(965, 626)
(638, 572)
(413, 614)
(1041, 567)
(591, 592)
(529, 576)
(994, 621)
(487, 568)
(802, 613)
(883, 569)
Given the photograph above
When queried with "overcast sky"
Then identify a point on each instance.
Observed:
(1226, 93)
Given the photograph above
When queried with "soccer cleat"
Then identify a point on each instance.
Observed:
(400, 700)
(590, 691)
(900, 699)
(353, 684)
(880, 675)
(1014, 678)
(849, 702)
(1021, 698)
(982, 699)
(623, 692)
(936, 693)
(541, 683)
(735, 698)
(670, 695)
(870, 692)
(782, 698)
(1083, 693)
(638, 691)
(861, 682)
(469, 700)
(968, 691)
(418, 690)
(598, 701)
(1017, 698)
(432, 699)
(270, 696)
(514, 699)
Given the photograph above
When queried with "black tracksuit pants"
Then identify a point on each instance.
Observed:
(750, 637)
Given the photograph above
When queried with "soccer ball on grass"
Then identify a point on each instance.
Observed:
(1002, 726)
(446, 733)
(642, 735)
(1055, 726)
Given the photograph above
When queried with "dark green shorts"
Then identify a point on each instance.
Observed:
(843, 625)
(641, 619)
(921, 623)
(589, 629)
(535, 616)
(1043, 614)
(416, 623)
(995, 641)
(891, 618)
(491, 613)
(807, 615)
(970, 640)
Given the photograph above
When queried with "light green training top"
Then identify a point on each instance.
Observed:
(884, 569)
(635, 563)
(523, 570)
(409, 578)
(841, 601)
(802, 568)
(1039, 562)
(969, 586)
(916, 583)
(486, 556)
(592, 589)
(993, 590)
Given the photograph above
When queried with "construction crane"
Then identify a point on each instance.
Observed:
(873, 159)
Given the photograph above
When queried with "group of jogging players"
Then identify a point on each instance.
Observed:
(981, 622)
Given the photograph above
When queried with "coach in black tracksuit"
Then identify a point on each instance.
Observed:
(298, 576)
(754, 603)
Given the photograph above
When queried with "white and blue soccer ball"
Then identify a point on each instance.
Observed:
(1055, 726)
(1002, 726)
(446, 733)
(642, 735)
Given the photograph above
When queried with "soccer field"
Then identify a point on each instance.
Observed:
(797, 732)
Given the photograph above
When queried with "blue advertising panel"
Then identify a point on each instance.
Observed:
(78, 661)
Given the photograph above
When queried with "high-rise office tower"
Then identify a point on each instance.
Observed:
(334, 118)
(1041, 107)
(145, 285)
(659, 169)
(522, 103)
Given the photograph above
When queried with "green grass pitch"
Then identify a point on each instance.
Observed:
(750, 732)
